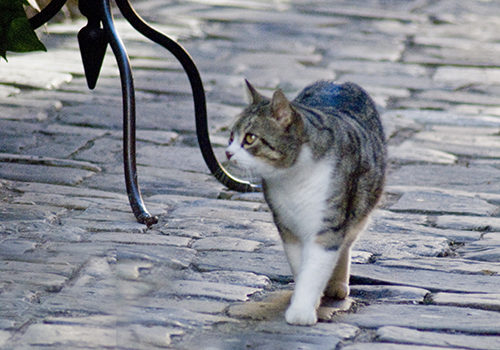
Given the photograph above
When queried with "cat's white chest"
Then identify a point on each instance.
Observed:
(299, 195)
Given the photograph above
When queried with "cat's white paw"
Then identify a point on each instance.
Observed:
(301, 316)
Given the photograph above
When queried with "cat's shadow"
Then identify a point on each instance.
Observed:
(273, 307)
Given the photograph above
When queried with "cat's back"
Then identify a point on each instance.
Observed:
(342, 100)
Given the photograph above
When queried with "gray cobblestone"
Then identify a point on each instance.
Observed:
(77, 271)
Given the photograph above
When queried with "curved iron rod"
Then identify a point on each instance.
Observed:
(134, 193)
(189, 67)
(47, 13)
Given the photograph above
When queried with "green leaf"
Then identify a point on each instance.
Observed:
(16, 33)
(22, 38)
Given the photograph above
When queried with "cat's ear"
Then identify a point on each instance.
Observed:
(252, 94)
(281, 108)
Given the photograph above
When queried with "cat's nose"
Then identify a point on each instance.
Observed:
(229, 155)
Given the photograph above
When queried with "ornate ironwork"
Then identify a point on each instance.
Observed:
(93, 39)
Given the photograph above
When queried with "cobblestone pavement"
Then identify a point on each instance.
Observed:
(77, 271)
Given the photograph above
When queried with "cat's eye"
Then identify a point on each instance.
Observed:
(231, 139)
(249, 139)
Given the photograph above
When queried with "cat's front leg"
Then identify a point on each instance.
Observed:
(315, 271)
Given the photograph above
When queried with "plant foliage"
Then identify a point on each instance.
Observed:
(16, 33)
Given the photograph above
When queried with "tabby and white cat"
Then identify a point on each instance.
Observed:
(322, 160)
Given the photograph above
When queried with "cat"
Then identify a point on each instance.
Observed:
(322, 160)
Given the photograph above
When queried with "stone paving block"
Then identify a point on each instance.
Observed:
(401, 243)
(156, 181)
(90, 320)
(473, 223)
(472, 142)
(381, 49)
(103, 150)
(17, 73)
(47, 161)
(278, 77)
(162, 82)
(57, 146)
(15, 248)
(223, 210)
(425, 317)
(7, 91)
(467, 75)
(409, 152)
(226, 243)
(392, 80)
(163, 138)
(259, 16)
(437, 117)
(260, 340)
(344, 331)
(472, 300)
(23, 113)
(90, 133)
(378, 67)
(131, 269)
(42, 173)
(215, 290)
(393, 294)
(54, 200)
(16, 143)
(412, 336)
(64, 270)
(4, 337)
(400, 12)
(26, 212)
(264, 232)
(482, 254)
(388, 346)
(452, 264)
(279, 335)
(203, 306)
(9, 323)
(143, 239)
(69, 335)
(441, 203)
(428, 55)
(49, 282)
(182, 158)
(70, 191)
(175, 257)
(427, 279)
(95, 213)
(170, 317)
(233, 277)
(273, 266)
(472, 179)
(139, 336)
(129, 226)
(485, 249)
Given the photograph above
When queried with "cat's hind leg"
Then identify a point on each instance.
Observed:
(338, 285)
(315, 271)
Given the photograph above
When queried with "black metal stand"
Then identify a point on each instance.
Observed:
(93, 40)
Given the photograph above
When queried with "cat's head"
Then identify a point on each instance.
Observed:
(267, 135)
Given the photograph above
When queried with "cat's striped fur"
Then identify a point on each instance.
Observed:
(322, 160)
